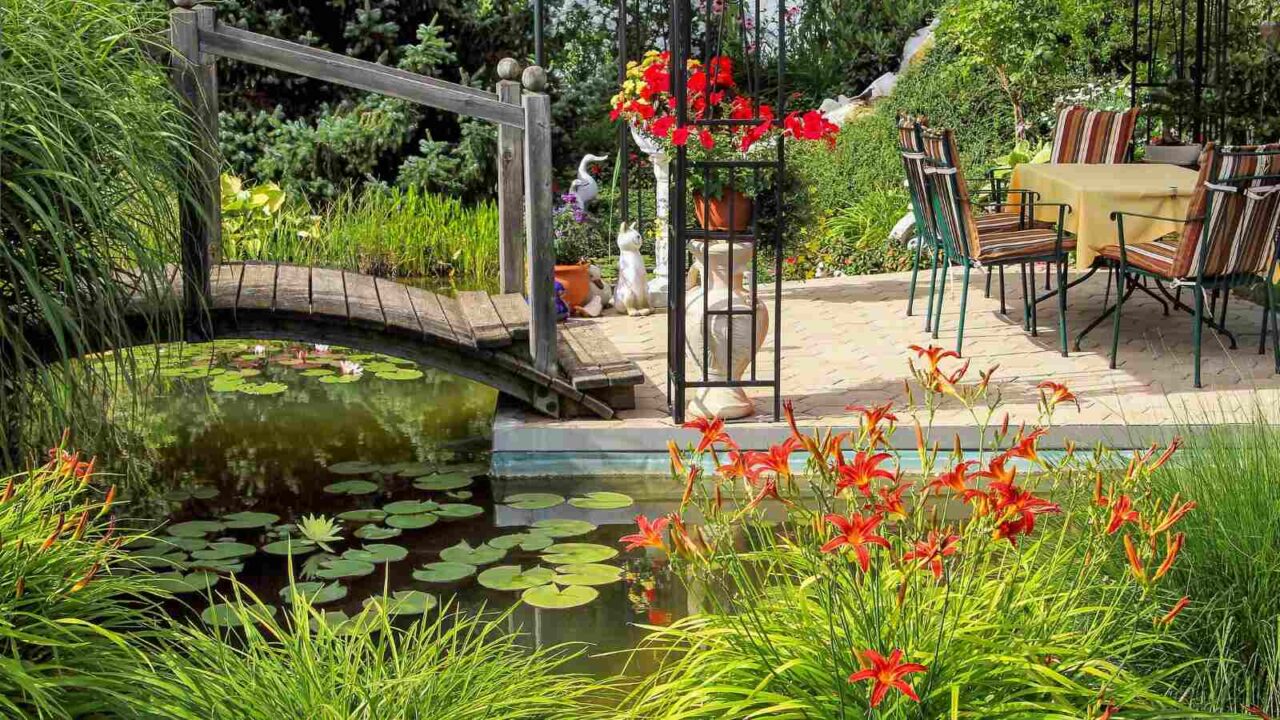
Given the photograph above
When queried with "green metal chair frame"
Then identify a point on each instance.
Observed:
(911, 148)
(1219, 192)
(953, 219)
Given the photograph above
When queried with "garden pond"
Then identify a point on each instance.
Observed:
(365, 475)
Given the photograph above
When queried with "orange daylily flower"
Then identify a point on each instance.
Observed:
(1172, 546)
(807, 442)
(712, 432)
(933, 355)
(650, 534)
(736, 468)
(1178, 607)
(890, 503)
(1053, 394)
(677, 461)
(691, 479)
(856, 531)
(1017, 509)
(1173, 514)
(1024, 446)
(1121, 512)
(873, 418)
(859, 473)
(886, 674)
(929, 552)
(777, 460)
(955, 479)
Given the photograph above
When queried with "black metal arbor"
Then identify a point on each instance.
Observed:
(1179, 51)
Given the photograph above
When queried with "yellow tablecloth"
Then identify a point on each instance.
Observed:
(1095, 191)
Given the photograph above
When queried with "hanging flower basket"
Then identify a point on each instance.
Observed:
(715, 213)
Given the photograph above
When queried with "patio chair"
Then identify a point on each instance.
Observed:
(1228, 240)
(911, 147)
(966, 244)
(1093, 137)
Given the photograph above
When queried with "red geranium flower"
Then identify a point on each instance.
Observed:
(887, 674)
(650, 534)
(856, 532)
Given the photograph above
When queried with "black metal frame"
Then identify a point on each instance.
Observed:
(1190, 38)
(633, 34)
(681, 46)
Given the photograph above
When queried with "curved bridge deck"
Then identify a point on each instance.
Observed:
(475, 335)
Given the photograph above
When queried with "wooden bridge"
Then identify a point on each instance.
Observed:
(510, 341)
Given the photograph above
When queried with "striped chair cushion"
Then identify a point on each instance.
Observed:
(1094, 137)
(1004, 221)
(957, 227)
(911, 147)
(1154, 257)
(1012, 244)
(1242, 224)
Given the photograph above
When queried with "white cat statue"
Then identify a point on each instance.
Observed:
(631, 295)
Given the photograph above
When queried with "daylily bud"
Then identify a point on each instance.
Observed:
(80, 526)
(57, 530)
(84, 581)
(20, 587)
(106, 504)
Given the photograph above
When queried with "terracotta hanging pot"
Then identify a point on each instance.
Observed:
(714, 213)
(576, 280)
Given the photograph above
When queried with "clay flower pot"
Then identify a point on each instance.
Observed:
(714, 213)
(576, 280)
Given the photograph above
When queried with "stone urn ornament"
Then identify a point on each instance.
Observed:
(731, 341)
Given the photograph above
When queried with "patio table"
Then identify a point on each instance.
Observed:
(1095, 191)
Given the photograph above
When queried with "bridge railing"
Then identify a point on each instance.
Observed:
(521, 110)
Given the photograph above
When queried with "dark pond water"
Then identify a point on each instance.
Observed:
(265, 434)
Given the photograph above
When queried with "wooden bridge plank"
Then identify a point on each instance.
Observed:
(583, 375)
(328, 294)
(595, 355)
(486, 326)
(362, 300)
(226, 286)
(293, 290)
(514, 311)
(427, 305)
(397, 307)
(257, 287)
(453, 313)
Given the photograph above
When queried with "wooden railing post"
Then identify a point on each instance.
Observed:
(541, 254)
(510, 186)
(195, 76)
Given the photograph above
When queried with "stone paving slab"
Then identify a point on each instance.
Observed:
(844, 341)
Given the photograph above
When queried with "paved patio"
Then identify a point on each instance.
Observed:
(845, 342)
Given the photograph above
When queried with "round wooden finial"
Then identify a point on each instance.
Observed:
(509, 69)
(534, 79)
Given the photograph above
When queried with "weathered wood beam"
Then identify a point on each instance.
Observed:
(510, 185)
(246, 46)
(541, 253)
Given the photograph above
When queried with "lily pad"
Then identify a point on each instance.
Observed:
(176, 582)
(317, 372)
(533, 501)
(463, 495)
(529, 542)
(442, 481)
(343, 568)
(587, 574)
(199, 492)
(316, 592)
(228, 615)
(289, 546)
(403, 602)
(366, 515)
(444, 572)
(340, 379)
(399, 374)
(377, 553)
(227, 383)
(416, 469)
(266, 388)
(378, 366)
(602, 501)
(195, 528)
(377, 532)
(480, 555)
(225, 551)
(351, 487)
(514, 577)
(226, 567)
(352, 467)
(248, 372)
(563, 528)
(409, 507)
(412, 522)
(186, 544)
(245, 520)
(573, 553)
(551, 597)
(458, 511)
(471, 469)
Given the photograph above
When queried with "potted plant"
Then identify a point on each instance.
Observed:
(578, 237)
(1170, 107)
(645, 102)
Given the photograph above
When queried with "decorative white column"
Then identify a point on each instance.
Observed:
(732, 341)
(647, 144)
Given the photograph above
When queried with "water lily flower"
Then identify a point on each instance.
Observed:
(1178, 607)
(650, 534)
(886, 674)
(259, 350)
(347, 367)
(856, 532)
(1121, 512)
(929, 552)
(956, 479)
(712, 432)
(321, 348)
(859, 473)
(1053, 394)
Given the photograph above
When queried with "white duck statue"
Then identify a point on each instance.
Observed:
(584, 187)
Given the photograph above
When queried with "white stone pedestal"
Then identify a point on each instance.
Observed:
(647, 144)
